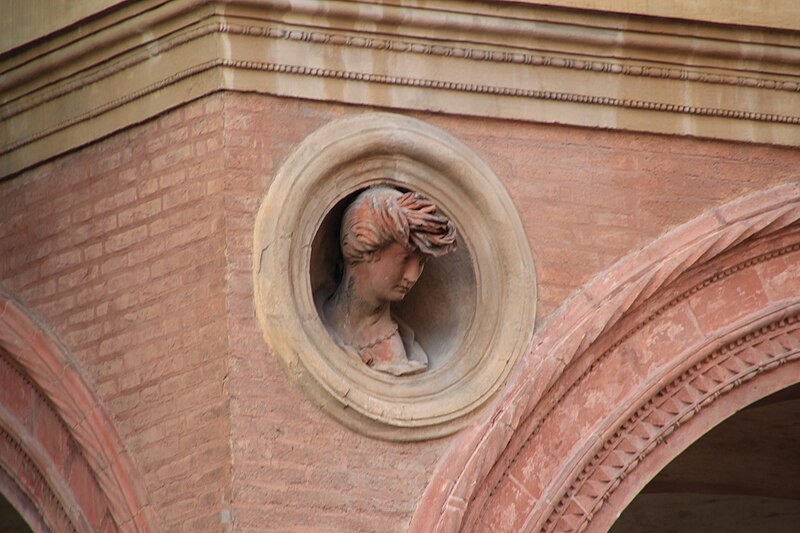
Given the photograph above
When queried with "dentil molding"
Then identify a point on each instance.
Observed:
(523, 62)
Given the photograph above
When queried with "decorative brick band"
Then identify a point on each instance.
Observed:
(469, 475)
(29, 479)
(717, 277)
(666, 411)
(47, 366)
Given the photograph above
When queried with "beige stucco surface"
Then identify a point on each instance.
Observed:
(768, 13)
(24, 21)
(27, 20)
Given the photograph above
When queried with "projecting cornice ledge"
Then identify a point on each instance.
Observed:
(520, 62)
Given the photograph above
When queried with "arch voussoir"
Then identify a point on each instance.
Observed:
(81, 477)
(645, 354)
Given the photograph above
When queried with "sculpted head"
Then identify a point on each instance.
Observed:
(382, 215)
(386, 237)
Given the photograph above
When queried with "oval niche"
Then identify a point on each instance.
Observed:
(472, 311)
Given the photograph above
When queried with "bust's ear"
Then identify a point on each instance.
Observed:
(371, 257)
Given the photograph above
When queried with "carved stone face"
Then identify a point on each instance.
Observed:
(386, 237)
(389, 274)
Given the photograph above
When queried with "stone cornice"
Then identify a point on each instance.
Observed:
(765, 13)
(520, 62)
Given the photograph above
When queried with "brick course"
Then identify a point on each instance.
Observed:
(119, 248)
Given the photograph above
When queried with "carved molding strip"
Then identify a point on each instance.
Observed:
(113, 104)
(719, 276)
(49, 368)
(27, 102)
(666, 411)
(569, 334)
(338, 39)
(511, 91)
(405, 82)
(547, 46)
(497, 56)
(22, 104)
(30, 480)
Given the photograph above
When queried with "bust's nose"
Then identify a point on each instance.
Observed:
(413, 271)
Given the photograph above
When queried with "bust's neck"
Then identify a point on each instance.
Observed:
(357, 320)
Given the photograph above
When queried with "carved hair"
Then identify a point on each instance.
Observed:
(382, 215)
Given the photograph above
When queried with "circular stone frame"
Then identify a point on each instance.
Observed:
(330, 165)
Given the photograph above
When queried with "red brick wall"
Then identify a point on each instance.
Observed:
(293, 466)
(586, 198)
(119, 247)
(137, 252)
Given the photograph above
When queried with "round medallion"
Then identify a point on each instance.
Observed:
(471, 310)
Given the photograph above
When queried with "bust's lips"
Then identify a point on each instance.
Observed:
(404, 288)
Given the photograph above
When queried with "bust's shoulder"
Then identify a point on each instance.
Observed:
(414, 351)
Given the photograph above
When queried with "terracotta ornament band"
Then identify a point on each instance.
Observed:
(736, 363)
(47, 365)
(33, 484)
(474, 470)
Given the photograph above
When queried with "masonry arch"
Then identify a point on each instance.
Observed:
(62, 463)
(645, 359)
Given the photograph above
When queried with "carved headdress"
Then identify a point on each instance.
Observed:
(382, 215)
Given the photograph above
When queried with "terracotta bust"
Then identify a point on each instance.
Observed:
(386, 237)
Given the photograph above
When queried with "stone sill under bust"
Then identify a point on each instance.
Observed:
(522, 62)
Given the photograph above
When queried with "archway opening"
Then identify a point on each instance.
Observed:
(10, 519)
(743, 475)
